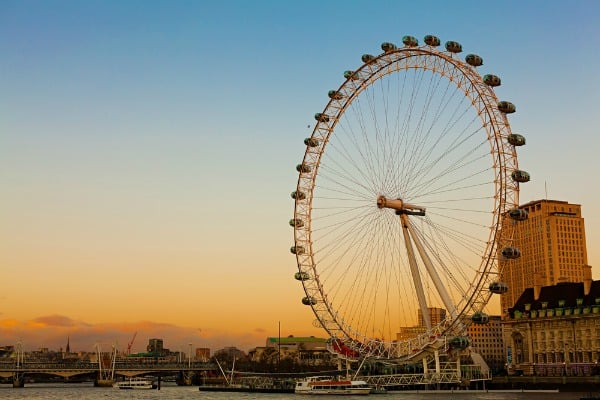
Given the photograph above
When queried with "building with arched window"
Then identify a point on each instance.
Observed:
(555, 330)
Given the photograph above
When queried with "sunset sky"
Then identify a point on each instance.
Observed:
(148, 150)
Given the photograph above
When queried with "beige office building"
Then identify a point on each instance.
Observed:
(552, 245)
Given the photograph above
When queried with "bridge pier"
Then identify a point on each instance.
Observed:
(18, 374)
(104, 382)
(184, 378)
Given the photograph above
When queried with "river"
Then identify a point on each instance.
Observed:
(39, 391)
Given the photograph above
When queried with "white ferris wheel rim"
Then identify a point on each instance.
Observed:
(445, 67)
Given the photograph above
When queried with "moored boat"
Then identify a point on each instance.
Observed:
(135, 383)
(317, 385)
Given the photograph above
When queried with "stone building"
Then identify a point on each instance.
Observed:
(555, 330)
(305, 350)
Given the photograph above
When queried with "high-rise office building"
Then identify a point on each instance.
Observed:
(487, 340)
(436, 315)
(552, 245)
(155, 346)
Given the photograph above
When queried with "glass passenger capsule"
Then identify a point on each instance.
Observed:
(320, 117)
(301, 276)
(303, 168)
(491, 80)
(296, 223)
(311, 142)
(480, 318)
(498, 287)
(387, 47)
(309, 301)
(507, 107)
(298, 250)
(431, 40)
(518, 214)
(474, 60)
(520, 176)
(459, 342)
(516, 140)
(350, 75)
(410, 41)
(453, 47)
(367, 58)
(511, 253)
(335, 95)
(298, 195)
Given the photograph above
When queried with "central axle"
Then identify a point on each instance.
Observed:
(400, 206)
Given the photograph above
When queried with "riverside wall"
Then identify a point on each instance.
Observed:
(562, 383)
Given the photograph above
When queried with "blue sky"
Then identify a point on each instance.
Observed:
(148, 148)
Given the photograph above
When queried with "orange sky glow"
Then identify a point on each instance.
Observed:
(148, 153)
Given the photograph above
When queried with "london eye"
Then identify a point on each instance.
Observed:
(405, 201)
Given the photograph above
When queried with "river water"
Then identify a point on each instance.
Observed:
(38, 391)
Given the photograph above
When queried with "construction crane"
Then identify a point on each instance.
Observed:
(130, 344)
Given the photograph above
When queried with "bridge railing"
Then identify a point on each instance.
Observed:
(90, 366)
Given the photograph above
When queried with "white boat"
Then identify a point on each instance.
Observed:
(316, 385)
(135, 383)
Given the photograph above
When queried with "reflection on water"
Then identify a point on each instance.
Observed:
(168, 392)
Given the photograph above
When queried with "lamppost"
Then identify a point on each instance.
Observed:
(181, 354)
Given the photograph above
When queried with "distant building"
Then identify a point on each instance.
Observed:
(297, 343)
(67, 355)
(436, 315)
(555, 330)
(408, 332)
(203, 354)
(487, 340)
(155, 347)
(6, 351)
(552, 246)
(308, 350)
(230, 352)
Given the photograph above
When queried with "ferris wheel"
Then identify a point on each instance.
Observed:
(406, 200)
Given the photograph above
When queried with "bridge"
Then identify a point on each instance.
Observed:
(447, 374)
(107, 368)
(69, 370)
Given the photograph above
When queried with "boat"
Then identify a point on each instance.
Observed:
(316, 385)
(135, 383)
(252, 384)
